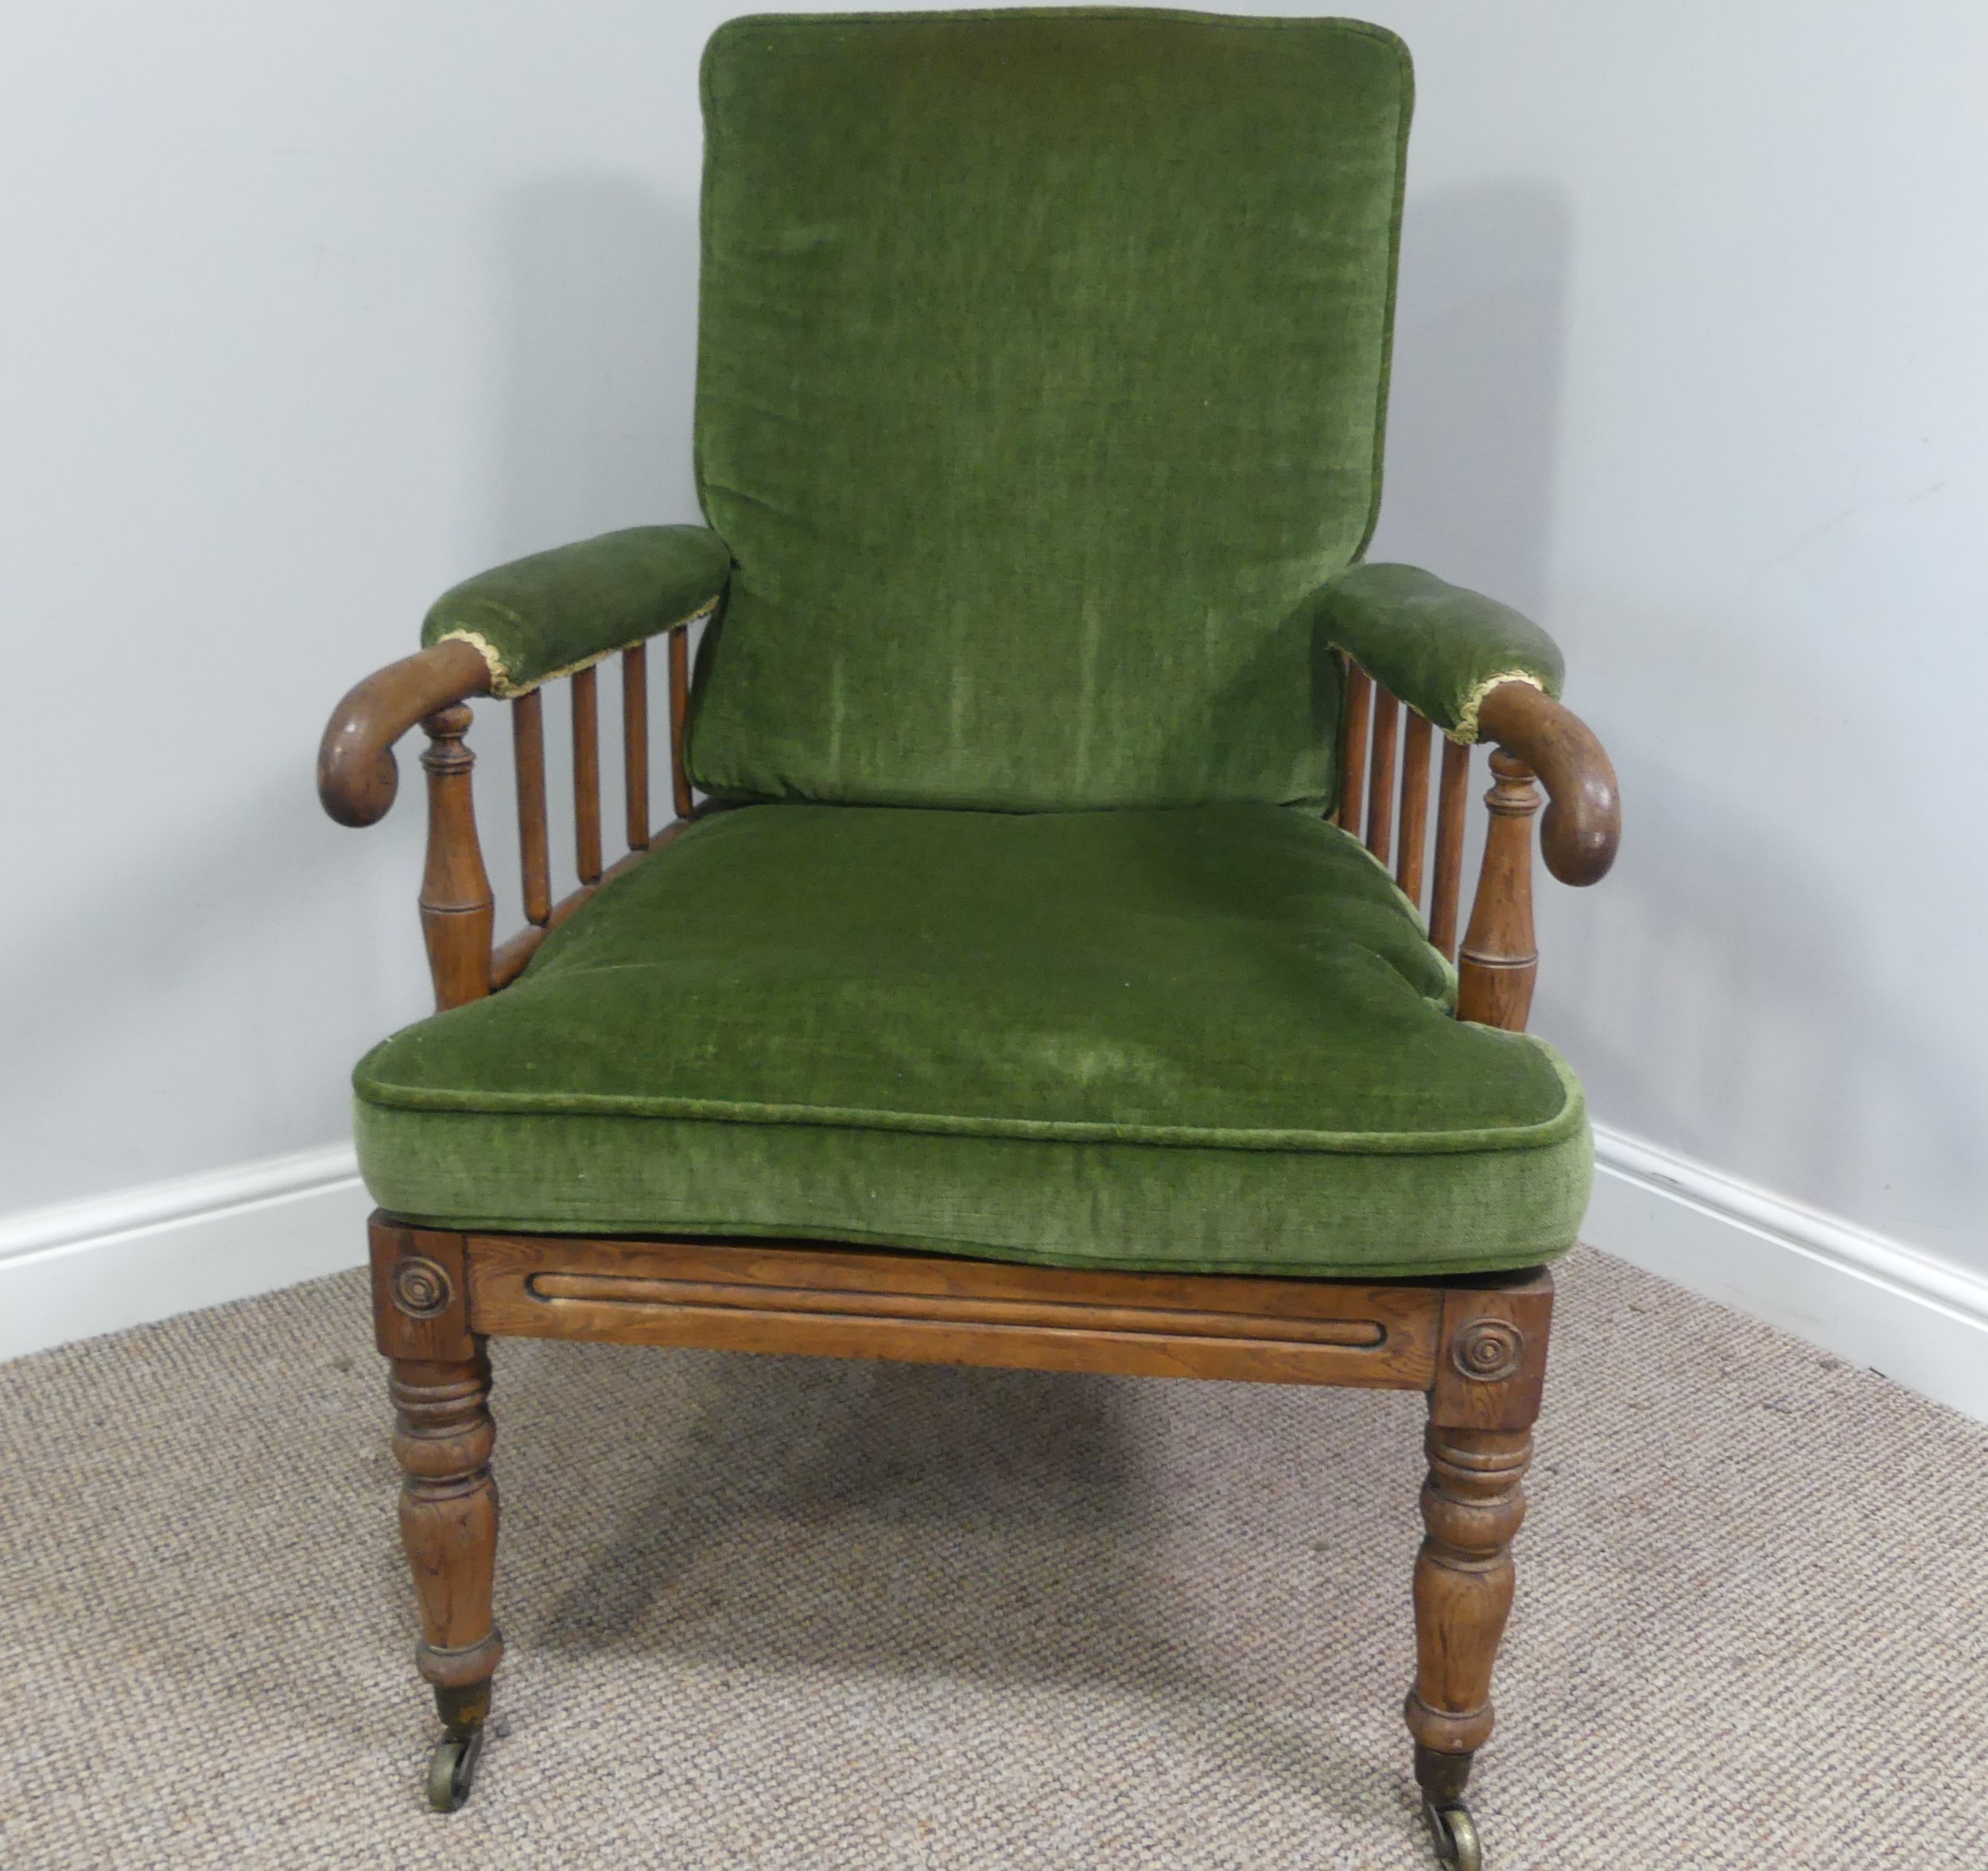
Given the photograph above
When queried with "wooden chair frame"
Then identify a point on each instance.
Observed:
(1475, 1346)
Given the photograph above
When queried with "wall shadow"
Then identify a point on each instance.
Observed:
(819, 1511)
(927, 1524)
(598, 277)
(1474, 399)
(1712, 992)
(1721, 992)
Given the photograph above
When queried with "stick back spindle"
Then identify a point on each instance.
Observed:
(1415, 806)
(1386, 727)
(534, 861)
(586, 775)
(634, 744)
(1452, 800)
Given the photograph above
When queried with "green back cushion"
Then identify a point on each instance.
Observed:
(1041, 370)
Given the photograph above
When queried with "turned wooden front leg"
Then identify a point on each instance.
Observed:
(1492, 1364)
(449, 1526)
(440, 1388)
(1472, 1504)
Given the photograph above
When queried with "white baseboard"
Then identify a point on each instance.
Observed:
(1921, 1321)
(144, 1254)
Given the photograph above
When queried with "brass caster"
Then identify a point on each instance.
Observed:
(452, 1768)
(1455, 1833)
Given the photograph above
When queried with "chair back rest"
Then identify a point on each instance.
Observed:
(1041, 365)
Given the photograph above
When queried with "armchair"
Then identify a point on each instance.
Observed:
(1054, 960)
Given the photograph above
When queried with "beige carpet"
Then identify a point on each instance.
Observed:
(781, 1613)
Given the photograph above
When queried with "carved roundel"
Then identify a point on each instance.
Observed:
(1488, 1350)
(422, 1288)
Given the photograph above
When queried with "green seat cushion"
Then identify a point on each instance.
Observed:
(1041, 361)
(1204, 1039)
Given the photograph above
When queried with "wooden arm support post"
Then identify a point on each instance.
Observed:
(1583, 823)
(458, 912)
(357, 780)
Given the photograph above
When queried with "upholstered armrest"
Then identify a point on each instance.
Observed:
(505, 631)
(1480, 670)
(1440, 648)
(556, 611)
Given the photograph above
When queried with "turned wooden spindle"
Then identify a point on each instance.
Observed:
(1353, 748)
(1415, 806)
(679, 714)
(586, 775)
(1452, 800)
(448, 1527)
(1387, 726)
(1500, 958)
(534, 859)
(634, 744)
(455, 904)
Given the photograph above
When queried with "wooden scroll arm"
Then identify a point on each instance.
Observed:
(1582, 823)
(356, 776)
(1531, 736)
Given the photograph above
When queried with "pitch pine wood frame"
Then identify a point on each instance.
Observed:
(1476, 1347)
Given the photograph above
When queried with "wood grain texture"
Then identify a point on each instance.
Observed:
(1490, 1369)
(586, 775)
(442, 1441)
(1583, 822)
(439, 1380)
(1500, 958)
(839, 1302)
(1453, 801)
(508, 959)
(356, 776)
(1491, 1366)
(635, 745)
(528, 752)
(1472, 1505)
(428, 1264)
(1352, 746)
(457, 910)
(1415, 806)
(1387, 728)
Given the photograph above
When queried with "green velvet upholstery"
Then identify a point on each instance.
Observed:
(1206, 1038)
(1041, 365)
(1438, 647)
(556, 611)
(1042, 360)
